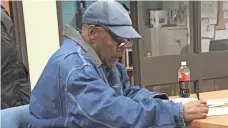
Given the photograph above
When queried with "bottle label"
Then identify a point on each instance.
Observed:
(183, 76)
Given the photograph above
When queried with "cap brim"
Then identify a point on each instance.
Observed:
(127, 32)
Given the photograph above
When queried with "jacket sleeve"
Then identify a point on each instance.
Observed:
(136, 92)
(93, 103)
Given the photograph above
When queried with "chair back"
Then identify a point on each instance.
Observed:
(15, 117)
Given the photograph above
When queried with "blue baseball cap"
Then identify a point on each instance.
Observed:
(112, 14)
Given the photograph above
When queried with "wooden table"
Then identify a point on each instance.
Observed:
(212, 121)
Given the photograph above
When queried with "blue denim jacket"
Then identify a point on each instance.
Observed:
(75, 91)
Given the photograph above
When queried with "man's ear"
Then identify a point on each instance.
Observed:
(92, 33)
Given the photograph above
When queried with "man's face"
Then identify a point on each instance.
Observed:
(108, 46)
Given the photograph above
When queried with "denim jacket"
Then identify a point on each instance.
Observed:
(75, 91)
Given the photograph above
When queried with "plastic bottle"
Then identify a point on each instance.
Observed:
(184, 80)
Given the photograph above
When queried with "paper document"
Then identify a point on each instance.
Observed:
(209, 9)
(204, 27)
(217, 102)
(212, 21)
(218, 111)
(221, 34)
(218, 107)
(183, 100)
(207, 30)
(225, 14)
(205, 44)
(225, 5)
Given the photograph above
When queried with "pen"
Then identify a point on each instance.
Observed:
(197, 90)
(197, 94)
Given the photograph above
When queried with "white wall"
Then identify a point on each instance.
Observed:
(42, 37)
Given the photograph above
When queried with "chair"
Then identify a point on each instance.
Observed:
(15, 117)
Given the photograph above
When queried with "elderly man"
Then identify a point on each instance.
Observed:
(83, 85)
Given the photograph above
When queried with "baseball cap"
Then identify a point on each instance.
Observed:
(113, 15)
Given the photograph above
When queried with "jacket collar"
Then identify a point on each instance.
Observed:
(73, 34)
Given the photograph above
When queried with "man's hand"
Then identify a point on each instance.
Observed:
(195, 110)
